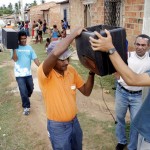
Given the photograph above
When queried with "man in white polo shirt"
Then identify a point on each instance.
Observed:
(131, 96)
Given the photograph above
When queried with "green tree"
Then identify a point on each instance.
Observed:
(19, 5)
(10, 7)
(6, 10)
(26, 6)
(4, 7)
(42, 1)
(34, 3)
(16, 8)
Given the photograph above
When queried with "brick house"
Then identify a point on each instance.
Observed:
(125, 13)
(65, 10)
(55, 16)
(36, 12)
(48, 11)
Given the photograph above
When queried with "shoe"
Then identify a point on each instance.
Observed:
(26, 111)
(120, 146)
(113, 88)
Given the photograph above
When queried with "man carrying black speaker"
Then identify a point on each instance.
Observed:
(22, 57)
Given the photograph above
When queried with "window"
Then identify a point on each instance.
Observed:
(112, 12)
(87, 17)
(65, 14)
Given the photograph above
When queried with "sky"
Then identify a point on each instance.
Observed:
(6, 2)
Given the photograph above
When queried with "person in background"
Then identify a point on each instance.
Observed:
(26, 26)
(40, 37)
(33, 26)
(55, 34)
(68, 30)
(22, 57)
(141, 121)
(19, 26)
(58, 82)
(62, 23)
(36, 30)
(63, 34)
(47, 43)
(44, 26)
(22, 28)
(30, 27)
(65, 24)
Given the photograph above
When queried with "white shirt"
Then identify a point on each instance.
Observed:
(137, 64)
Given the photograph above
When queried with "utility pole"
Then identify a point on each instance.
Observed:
(22, 10)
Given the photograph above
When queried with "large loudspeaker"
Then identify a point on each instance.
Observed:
(99, 62)
(10, 38)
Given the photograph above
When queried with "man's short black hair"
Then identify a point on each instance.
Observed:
(144, 36)
(21, 33)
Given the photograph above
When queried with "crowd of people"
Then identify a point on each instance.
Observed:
(58, 81)
(37, 29)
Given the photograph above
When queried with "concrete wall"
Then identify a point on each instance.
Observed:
(146, 19)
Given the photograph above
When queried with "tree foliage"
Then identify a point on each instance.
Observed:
(11, 8)
(42, 1)
(6, 9)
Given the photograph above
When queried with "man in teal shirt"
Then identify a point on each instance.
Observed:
(23, 57)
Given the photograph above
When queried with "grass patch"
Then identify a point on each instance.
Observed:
(15, 131)
(97, 135)
(4, 56)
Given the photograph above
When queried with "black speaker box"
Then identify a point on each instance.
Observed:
(10, 38)
(97, 61)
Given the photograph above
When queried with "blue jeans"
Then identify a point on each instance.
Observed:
(27, 31)
(65, 135)
(26, 87)
(123, 101)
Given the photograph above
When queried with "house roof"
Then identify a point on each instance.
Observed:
(45, 9)
(63, 2)
(9, 17)
(44, 6)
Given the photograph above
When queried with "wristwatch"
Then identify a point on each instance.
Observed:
(91, 73)
(111, 51)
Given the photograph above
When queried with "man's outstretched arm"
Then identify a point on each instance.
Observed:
(105, 44)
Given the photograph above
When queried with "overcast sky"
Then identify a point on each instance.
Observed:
(6, 2)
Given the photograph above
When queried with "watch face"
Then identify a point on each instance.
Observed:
(111, 51)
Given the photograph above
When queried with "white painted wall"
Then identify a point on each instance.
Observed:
(146, 19)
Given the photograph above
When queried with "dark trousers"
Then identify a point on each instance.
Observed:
(26, 87)
(65, 135)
